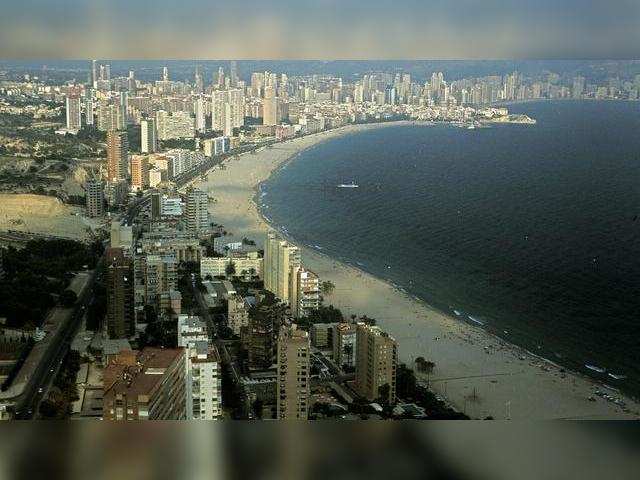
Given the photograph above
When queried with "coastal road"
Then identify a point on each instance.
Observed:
(45, 372)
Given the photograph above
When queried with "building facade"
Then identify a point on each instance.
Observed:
(145, 385)
(139, 172)
(294, 352)
(197, 211)
(148, 136)
(281, 261)
(305, 292)
(344, 345)
(376, 364)
(120, 294)
(203, 375)
(117, 156)
(94, 194)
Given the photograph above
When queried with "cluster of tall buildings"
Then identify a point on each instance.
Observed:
(143, 267)
(279, 106)
(285, 276)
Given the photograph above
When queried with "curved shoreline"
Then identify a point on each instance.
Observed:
(468, 357)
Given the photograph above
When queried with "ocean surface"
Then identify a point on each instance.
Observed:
(532, 231)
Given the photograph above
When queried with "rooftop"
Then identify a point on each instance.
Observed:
(138, 373)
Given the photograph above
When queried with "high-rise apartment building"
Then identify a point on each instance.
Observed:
(88, 108)
(270, 107)
(203, 370)
(305, 292)
(197, 211)
(344, 345)
(281, 261)
(148, 136)
(233, 73)
(237, 313)
(160, 275)
(145, 385)
(117, 156)
(94, 194)
(74, 115)
(227, 110)
(259, 336)
(376, 364)
(199, 110)
(175, 125)
(139, 172)
(294, 352)
(120, 294)
(156, 207)
(94, 73)
(109, 117)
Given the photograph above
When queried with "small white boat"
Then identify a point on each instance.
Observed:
(457, 312)
(475, 320)
(616, 376)
(595, 368)
(348, 185)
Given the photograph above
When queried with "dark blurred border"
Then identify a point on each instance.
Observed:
(373, 450)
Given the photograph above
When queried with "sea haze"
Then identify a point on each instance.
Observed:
(532, 230)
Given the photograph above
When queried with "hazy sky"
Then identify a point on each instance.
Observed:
(345, 29)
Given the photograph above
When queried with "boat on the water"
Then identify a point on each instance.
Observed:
(348, 185)
(616, 376)
(595, 368)
(475, 320)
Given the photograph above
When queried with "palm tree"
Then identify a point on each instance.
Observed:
(230, 269)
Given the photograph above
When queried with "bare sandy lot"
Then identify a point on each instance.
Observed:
(42, 215)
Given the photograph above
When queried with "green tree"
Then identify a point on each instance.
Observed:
(424, 366)
(405, 382)
(327, 287)
(384, 394)
(230, 269)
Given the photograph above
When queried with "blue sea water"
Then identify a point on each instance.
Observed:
(533, 230)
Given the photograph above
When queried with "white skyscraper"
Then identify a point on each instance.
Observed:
(199, 109)
(94, 73)
(88, 108)
(281, 263)
(203, 374)
(227, 118)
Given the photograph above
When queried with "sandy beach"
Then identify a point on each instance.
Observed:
(475, 371)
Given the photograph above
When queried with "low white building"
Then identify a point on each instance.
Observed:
(245, 264)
